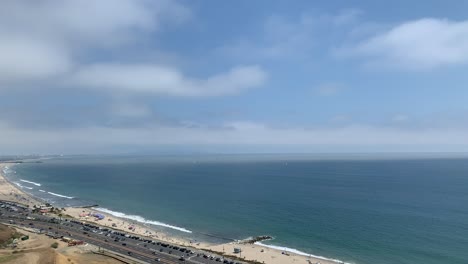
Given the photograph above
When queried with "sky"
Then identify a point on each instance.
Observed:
(150, 76)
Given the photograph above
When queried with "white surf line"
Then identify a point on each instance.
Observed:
(295, 251)
(35, 183)
(22, 186)
(60, 195)
(141, 219)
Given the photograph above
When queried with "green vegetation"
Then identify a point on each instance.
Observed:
(8, 235)
(54, 245)
(8, 258)
(16, 235)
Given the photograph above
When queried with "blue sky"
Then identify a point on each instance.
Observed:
(233, 76)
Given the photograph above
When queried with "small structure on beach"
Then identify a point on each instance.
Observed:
(98, 216)
(237, 250)
(84, 214)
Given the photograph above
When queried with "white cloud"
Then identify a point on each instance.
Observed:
(43, 39)
(104, 139)
(418, 45)
(87, 20)
(23, 59)
(157, 79)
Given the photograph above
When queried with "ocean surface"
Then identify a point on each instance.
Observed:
(359, 210)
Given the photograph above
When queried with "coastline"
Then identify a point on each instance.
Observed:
(259, 252)
(10, 192)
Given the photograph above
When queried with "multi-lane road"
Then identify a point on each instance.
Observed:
(143, 249)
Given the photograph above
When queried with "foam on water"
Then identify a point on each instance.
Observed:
(6, 170)
(42, 191)
(295, 251)
(141, 219)
(22, 186)
(35, 183)
(59, 195)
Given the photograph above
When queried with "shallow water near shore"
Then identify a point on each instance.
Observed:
(358, 210)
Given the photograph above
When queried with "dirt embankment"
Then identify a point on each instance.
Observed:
(37, 250)
(6, 233)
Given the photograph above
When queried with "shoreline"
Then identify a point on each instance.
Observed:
(258, 251)
(9, 191)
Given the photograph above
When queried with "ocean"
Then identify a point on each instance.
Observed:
(357, 209)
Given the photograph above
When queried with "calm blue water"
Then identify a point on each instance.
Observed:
(359, 211)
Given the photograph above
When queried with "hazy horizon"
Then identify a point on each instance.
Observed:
(243, 156)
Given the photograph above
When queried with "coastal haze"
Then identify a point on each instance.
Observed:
(247, 132)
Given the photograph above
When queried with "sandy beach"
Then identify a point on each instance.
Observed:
(10, 192)
(252, 252)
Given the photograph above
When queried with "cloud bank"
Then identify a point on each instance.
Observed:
(52, 42)
(105, 139)
(421, 44)
(156, 79)
(75, 83)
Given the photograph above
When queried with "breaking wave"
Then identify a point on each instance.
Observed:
(141, 219)
(35, 183)
(295, 251)
(22, 186)
(59, 195)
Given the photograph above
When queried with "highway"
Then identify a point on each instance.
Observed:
(140, 248)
